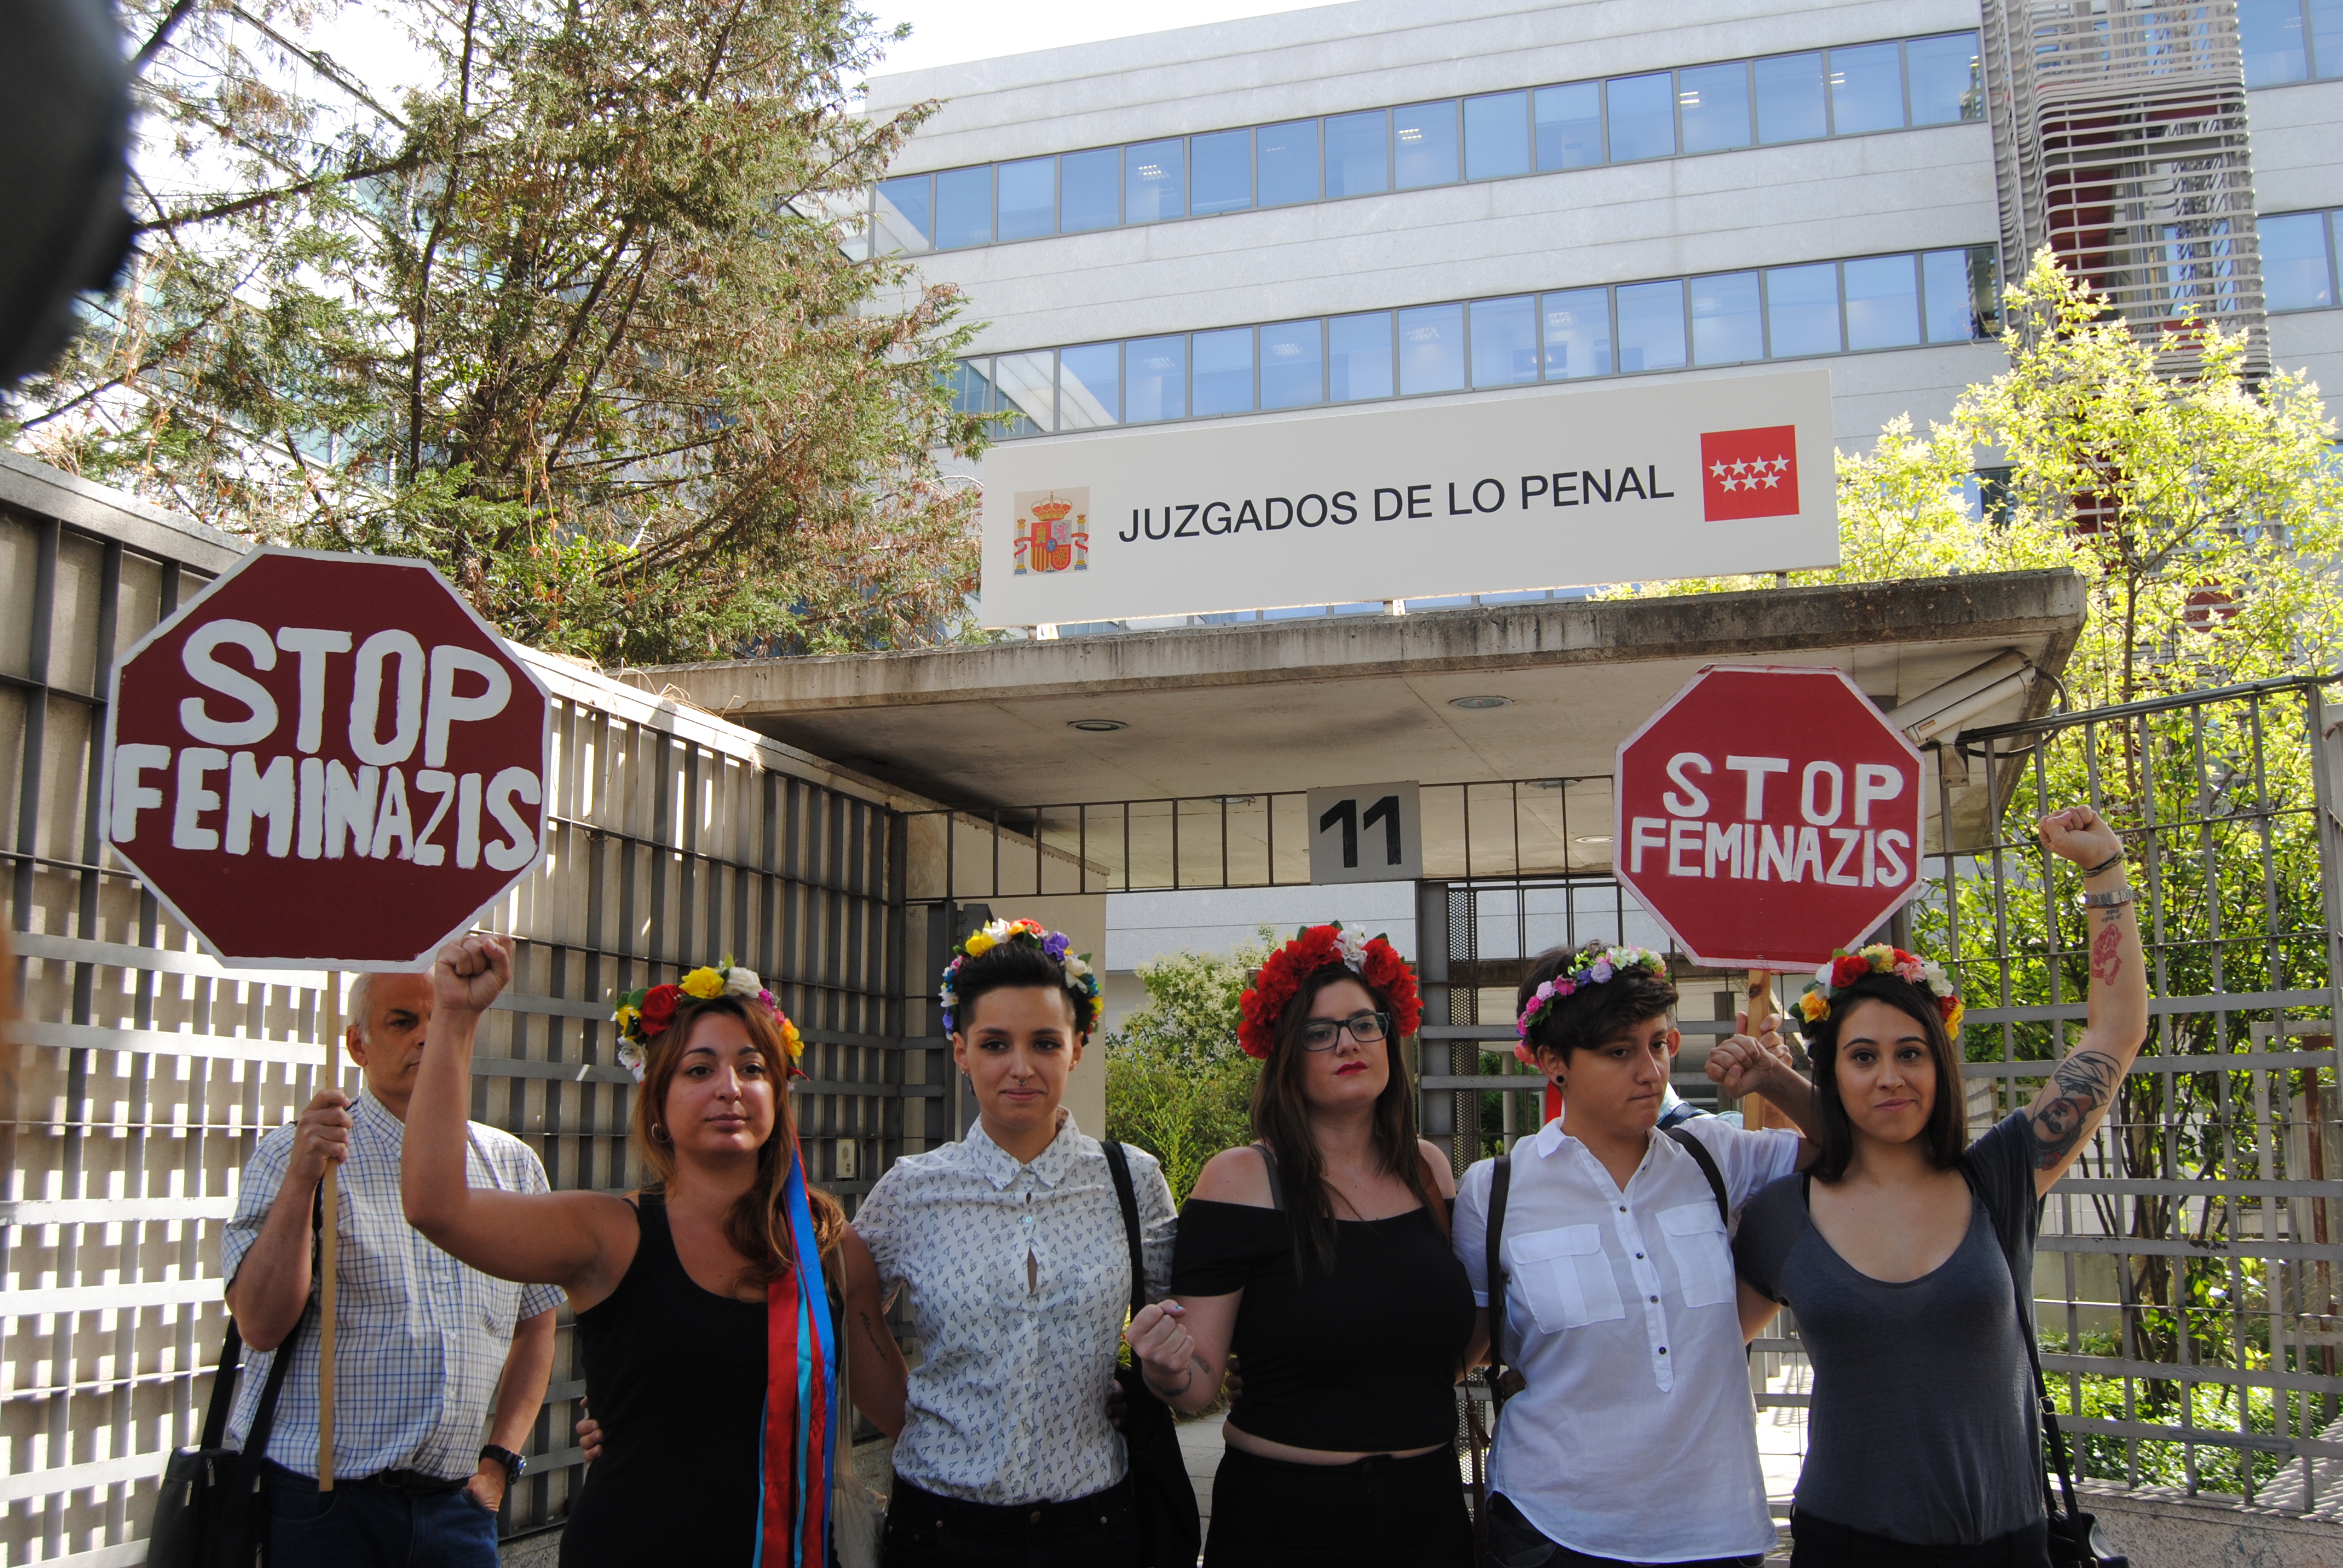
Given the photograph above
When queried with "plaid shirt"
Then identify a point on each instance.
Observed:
(420, 1339)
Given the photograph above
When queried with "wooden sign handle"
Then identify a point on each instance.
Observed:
(1757, 1001)
(328, 1232)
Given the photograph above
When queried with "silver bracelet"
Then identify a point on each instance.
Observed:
(2109, 901)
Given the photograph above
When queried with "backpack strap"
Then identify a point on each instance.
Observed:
(1276, 1185)
(1707, 1163)
(1504, 1382)
(1118, 1164)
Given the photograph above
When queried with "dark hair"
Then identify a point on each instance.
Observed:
(1947, 1136)
(1015, 965)
(1280, 1119)
(1593, 1013)
(758, 1223)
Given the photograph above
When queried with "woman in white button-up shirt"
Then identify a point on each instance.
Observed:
(1012, 1244)
(1620, 1298)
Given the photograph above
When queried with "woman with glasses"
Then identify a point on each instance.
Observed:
(1319, 1255)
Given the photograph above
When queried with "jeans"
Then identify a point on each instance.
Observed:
(1514, 1542)
(925, 1531)
(1819, 1544)
(363, 1525)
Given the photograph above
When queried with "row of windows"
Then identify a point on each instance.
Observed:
(1660, 114)
(2290, 40)
(1669, 324)
(2298, 250)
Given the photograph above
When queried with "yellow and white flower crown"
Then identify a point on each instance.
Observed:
(644, 1015)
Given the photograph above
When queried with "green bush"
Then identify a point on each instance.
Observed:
(1177, 1083)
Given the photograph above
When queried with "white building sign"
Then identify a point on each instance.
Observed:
(1551, 489)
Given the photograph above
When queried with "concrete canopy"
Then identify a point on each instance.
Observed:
(1260, 708)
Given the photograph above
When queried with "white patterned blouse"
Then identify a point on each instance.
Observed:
(1008, 1404)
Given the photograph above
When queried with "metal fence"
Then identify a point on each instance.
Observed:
(146, 1072)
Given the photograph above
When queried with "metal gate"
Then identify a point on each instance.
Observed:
(146, 1070)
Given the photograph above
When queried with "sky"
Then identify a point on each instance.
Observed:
(947, 32)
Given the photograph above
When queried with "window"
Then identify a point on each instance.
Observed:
(1358, 154)
(1090, 387)
(1504, 342)
(1790, 101)
(1945, 286)
(963, 208)
(1496, 135)
(1883, 303)
(1577, 334)
(1643, 114)
(1154, 182)
(1431, 349)
(1292, 365)
(2271, 35)
(2326, 37)
(1090, 193)
(1726, 328)
(1156, 370)
(1028, 198)
(1880, 302)
(1866, 87)
(1287, 158)
(2295, 274)
(1223, 372)
(1714, 101)
(1025, 382)
(1359, 356)
(1802, 309)
(907, 214)
(1651, 325)
(1223, 172)
(1569, 126)
(1948, 84)
(1424, 146)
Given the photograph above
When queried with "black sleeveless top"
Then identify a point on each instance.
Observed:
(1361, 1361)
(676, 1375)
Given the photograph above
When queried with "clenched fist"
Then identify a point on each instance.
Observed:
(1165, 1349)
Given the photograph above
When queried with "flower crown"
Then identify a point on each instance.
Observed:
(1844, 969)
(1079, 981)
(644, 1015)
(1597, 965)
(1276, 984)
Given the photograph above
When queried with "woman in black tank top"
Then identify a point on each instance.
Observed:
(671, 1288)
(1320, 1255)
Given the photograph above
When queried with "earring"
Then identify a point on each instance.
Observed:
(658, 1133)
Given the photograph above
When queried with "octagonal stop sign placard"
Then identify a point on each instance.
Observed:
(1767, 816)
(325, 761)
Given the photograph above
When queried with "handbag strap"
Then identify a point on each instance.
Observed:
(1501, 1186)
(841, 1464)
(1127, 1196)
(2052, 1437)
(1707, 1163)
(264, 1415)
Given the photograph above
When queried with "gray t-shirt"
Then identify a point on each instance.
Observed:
(1922, 1426)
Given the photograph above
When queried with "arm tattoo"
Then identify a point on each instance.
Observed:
(2106, 960)
(2086, 1081)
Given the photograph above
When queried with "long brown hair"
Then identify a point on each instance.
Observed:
(1947, 1136)
(1280, 1119)
(758, 1223)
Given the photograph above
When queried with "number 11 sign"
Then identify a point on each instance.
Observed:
(1365, 833)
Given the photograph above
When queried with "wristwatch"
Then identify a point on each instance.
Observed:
(513, 1463)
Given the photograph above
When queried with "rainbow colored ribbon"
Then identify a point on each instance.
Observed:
(800, 1371)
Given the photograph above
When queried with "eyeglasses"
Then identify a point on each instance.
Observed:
(1366, 1028)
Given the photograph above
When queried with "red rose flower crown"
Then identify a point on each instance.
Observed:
(1276, 984)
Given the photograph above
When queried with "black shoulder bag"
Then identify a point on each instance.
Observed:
(1170, 1531)
(2075, 1539)
(208, 1514)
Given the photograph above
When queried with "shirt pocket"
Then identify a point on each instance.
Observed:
(1566, 1277)
(1703, 1258)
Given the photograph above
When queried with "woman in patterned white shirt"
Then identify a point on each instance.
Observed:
(1320, 1255)
(1012, 1244)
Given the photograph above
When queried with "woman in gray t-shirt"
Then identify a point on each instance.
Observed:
(1899, 1250)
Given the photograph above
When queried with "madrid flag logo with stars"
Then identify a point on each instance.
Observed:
(1749, 473)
